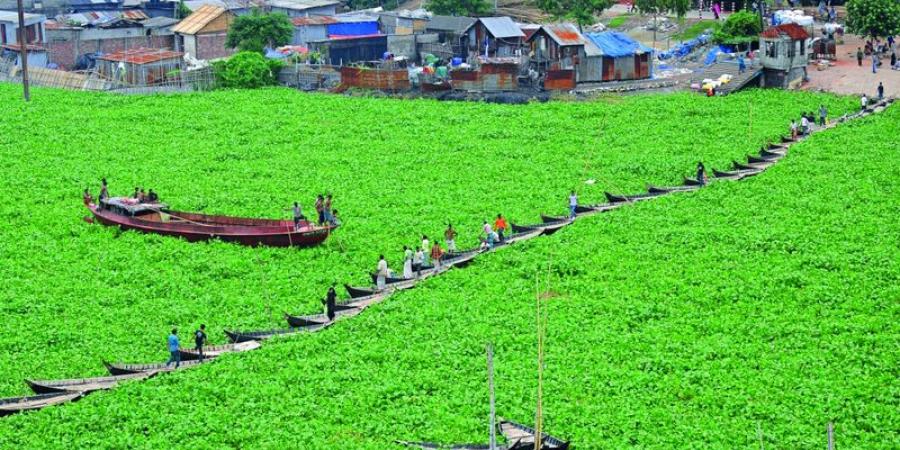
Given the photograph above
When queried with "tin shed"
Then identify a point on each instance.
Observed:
(623, 58)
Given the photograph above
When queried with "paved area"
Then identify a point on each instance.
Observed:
(846, 77)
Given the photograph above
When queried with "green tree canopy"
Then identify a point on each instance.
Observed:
(247, 70)
(875, 18)
(459, 7)
(741, 27)
(658, 7)
(580, 11)
(256, 31)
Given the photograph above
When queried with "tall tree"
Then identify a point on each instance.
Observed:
(581, 12)
(662, 8)
(874, 18)
(256, 31)
(742, 27)
(459, 7)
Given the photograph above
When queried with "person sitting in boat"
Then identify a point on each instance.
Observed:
(701, 173)
(137, 193)
(335, 220)
(104, 190)
(152, 197)
(142, 197)
(482, 245)
(500, 226)
(326, 208)
(87, 197)
(382, 273)
(436, 254)
(407, 263)
(488, 234)
(329, 302)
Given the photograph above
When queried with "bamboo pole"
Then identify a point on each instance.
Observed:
(23, 53)
(490, 367)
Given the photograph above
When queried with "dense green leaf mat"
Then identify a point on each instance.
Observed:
(682, 322)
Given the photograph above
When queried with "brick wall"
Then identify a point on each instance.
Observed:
(212, 46)
(65, 53)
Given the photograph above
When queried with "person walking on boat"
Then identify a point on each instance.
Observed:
(152, 197)
(488, 234)
(500, 227)
(199, 340)
(174, 353)
(419, 259)
(407, 263)
(804, 125)
(329, 302)
(320, 209)
(573, 202)
(382, 273)
(436, 254)
(450, 237)
(104, 190)
(701, 173)
(426, 248)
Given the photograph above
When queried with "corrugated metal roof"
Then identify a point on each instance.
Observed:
(563, 34)
(500, 27)
(141, 55)
(13, 16)
(199, 19)
(796, 32)
(230, 5)
(615, 44)
(159, 22)
(300, 5)
(313, 20)
(453, 24)
(134, 14)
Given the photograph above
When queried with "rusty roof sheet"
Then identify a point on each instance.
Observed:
(313, 20)
(199, 19)
(796, 32)
(141, 55)
(499, 27)
(134, 14)
(563, 34)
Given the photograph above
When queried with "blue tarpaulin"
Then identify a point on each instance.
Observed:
(615, 44)
(353, 29)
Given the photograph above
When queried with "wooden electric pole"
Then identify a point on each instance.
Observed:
(23, 54)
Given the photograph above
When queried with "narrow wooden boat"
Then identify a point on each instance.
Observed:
(83, 385)
(433, 446)
(305, 321)
(212, 351)
(582, 210)
(691, 182)
(18, 404)
(787, 139)
(261, 335)
(359, 292)
(632, 198)
(772, 154)
(749, 166)
(776, 147)
(461, 259)
(763, 159)
(548, 225)
(157, 218)
(670, 189)
(521, 437)
(518, 237)
(128, 369)
(735, 174)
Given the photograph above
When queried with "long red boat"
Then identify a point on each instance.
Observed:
(130, 214)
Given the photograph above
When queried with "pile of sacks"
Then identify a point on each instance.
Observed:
(792, 16)
(709, 83)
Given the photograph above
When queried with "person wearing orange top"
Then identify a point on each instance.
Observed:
(500, 226)
(436, 254)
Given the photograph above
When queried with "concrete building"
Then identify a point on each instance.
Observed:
(784, 55)
(303, 8)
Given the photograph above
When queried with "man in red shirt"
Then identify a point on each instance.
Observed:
(500, 226)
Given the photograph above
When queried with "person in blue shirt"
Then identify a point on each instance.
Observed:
(742, 66)
(175, 355)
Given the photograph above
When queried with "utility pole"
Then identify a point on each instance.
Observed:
(23, 54)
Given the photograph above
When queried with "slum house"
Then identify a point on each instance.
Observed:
(493, 37)
(202, 34)
(402, 23)
(350, 50)
(303, 8)
(35, 38)
(621, 57)
(236, 7)
(320, 28)
(74, 46)
(784, 55)
(563, 55)
(79, 6)
(449, 31)
(140, 66)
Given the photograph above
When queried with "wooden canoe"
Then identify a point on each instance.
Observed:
(305, 321)
(83, 385)
(156, 218)
(670, 189)
(212, 351)
(597, 208)
(763, 159)
(359, 292)
(460, 259)
(787, 139)
(128, 369)
(261, 335)
(735, 174)
(518, 237)
(772, 154)
(749, 166)
(521, 437)
(548, 225)
(632, 198)
(18, 404)
(434, 446)
(691, 182)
